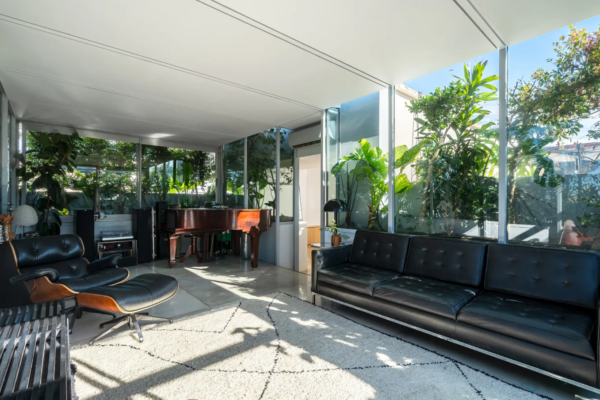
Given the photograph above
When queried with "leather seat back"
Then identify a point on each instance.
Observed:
(380, 250)
(62, 252)
(450, 260)
(563, 276)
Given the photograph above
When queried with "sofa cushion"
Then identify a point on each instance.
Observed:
(104, 277)
(565, 276)
(437, 297)
(450, 260)
(560, 327)
(357, 277)
(380, 250)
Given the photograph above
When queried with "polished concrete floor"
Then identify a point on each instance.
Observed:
(208, 286)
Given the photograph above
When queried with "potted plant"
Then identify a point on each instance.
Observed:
(336, 236)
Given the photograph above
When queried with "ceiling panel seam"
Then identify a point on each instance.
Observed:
(487, 22)
(474, 23)
(59, 80)
(295, 42)
(127, 53)
(298, 119)
(132, 119)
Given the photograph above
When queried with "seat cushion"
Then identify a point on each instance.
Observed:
(356, 277)
(430, 295)
(143, 291)
(104, 277)
(565, 328)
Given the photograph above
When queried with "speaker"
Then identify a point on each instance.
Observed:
(143, 232)
(84, 227)
(162, 237)
(128, 261)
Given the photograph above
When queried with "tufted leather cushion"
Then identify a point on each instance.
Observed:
(560, 327)
(47, 249)
(437, 297)
(450, 260)
(103, 277)
(380, 250)
(139, 293)
(67, 269)
(565, 276)
(356, 277)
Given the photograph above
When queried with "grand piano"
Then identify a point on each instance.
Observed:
(201, 221)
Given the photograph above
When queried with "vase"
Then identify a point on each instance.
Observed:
(336, 240)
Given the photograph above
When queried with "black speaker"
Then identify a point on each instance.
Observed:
(84, 227)
(162, 237)
(142, 231)
(128, 261)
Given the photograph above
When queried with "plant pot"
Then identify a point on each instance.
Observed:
(336, 240)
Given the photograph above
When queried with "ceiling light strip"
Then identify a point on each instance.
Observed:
(294, 42)
(68, 36)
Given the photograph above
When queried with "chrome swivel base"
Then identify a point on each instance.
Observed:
(132, 321)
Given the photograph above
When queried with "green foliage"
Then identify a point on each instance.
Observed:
(50, 157)
(460, 154)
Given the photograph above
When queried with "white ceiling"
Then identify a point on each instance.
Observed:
(207, 72)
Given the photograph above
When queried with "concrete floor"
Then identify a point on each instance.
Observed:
(209, 286)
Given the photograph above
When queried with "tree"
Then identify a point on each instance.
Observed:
(548, 108)
(459, 150)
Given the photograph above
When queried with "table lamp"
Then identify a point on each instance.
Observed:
(335, 206)
(24, 216)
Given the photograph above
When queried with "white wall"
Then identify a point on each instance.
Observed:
(310, 189)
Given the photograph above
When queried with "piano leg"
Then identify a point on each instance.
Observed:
(254, 246)
(236, 237)
(172, 249)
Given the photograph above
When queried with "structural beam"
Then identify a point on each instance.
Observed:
(24, 152)
(246, 173)
(391, 158)
(139, 162)
(277, 194)
(323, 170)
(14, 163)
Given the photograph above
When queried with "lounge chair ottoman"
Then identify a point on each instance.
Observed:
(130, 298)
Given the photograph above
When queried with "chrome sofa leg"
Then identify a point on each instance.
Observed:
(314, 298)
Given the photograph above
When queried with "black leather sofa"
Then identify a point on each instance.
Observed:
(535, 307)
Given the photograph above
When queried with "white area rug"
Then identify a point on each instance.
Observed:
(276, 347)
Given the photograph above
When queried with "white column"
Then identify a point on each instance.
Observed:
(139, 169)
(323, 170)
(277, 195)
(219, 185)
(246, 173)
(4, 154)
(502, 145)
(391, 158)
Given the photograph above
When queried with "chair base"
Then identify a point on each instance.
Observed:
(77, 312)
(132, 321)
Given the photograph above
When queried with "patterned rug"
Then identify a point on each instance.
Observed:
(276, 347)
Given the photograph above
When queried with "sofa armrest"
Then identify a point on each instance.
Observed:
(327, 257)
(103, 263)
(50, 273)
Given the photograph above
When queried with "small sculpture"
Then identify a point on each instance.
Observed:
(6, 223)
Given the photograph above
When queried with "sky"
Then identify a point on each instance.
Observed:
(523, 59)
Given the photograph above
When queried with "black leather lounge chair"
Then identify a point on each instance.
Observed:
(53, 268)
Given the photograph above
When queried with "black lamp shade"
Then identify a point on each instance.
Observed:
(335, 205)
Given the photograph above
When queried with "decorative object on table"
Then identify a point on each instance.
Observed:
(366, 364)
(336, 236)
(31, 235)
(6, 221)
(24, 216)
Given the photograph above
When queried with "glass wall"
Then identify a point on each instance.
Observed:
(177, 176)
(446, 151)
(262, 170)
(233, 174)
(286, 178)
(554, 138)
(357, 161)
(67, 172)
